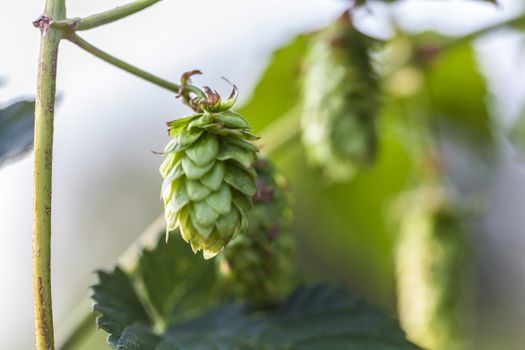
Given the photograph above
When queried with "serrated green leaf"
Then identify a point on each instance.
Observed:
(177, 285)
(138, 336)
(322, 315)
(16, 129)
(169, 287)
(118, 304)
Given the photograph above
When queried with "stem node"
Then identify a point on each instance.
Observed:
(42, 23)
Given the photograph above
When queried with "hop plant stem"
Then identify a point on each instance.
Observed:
(44, 115)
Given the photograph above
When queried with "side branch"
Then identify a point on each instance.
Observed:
(105, 17)
(130, 68)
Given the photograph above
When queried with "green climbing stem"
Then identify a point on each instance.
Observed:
(44, 115)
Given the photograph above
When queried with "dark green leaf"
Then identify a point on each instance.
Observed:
(458, 94)
(278, 90)
(118, 304)
(16, 129)
(176, 280)
(138, 337)
(172, 283)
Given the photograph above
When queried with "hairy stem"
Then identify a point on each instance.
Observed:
(130, 68)
(44, 115)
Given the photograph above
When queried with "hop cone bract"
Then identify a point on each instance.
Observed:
(209, 179)
(340, 101)
(432, 271)
(257, 264)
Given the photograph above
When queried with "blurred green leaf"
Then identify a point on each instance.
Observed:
(16, 129)
(320, 317)
(341, 227)
(458, 94)
(345, 223)
(278, 89)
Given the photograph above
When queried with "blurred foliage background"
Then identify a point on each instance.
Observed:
(409, 231)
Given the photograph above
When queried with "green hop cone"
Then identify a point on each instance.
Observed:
(209, 179)
(340, 96)
(257, 265)
(432, 271)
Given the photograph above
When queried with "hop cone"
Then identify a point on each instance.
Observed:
(257, 265)
(432, 271)
(209, 179)
(340, 101)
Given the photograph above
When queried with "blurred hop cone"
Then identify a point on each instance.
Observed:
(340, 101)
(209, 179)
(432, 271)
(258, 264)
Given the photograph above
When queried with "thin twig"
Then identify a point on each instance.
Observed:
(74, 38)
(105, 17)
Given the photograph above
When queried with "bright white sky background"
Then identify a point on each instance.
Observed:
(105, 189)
